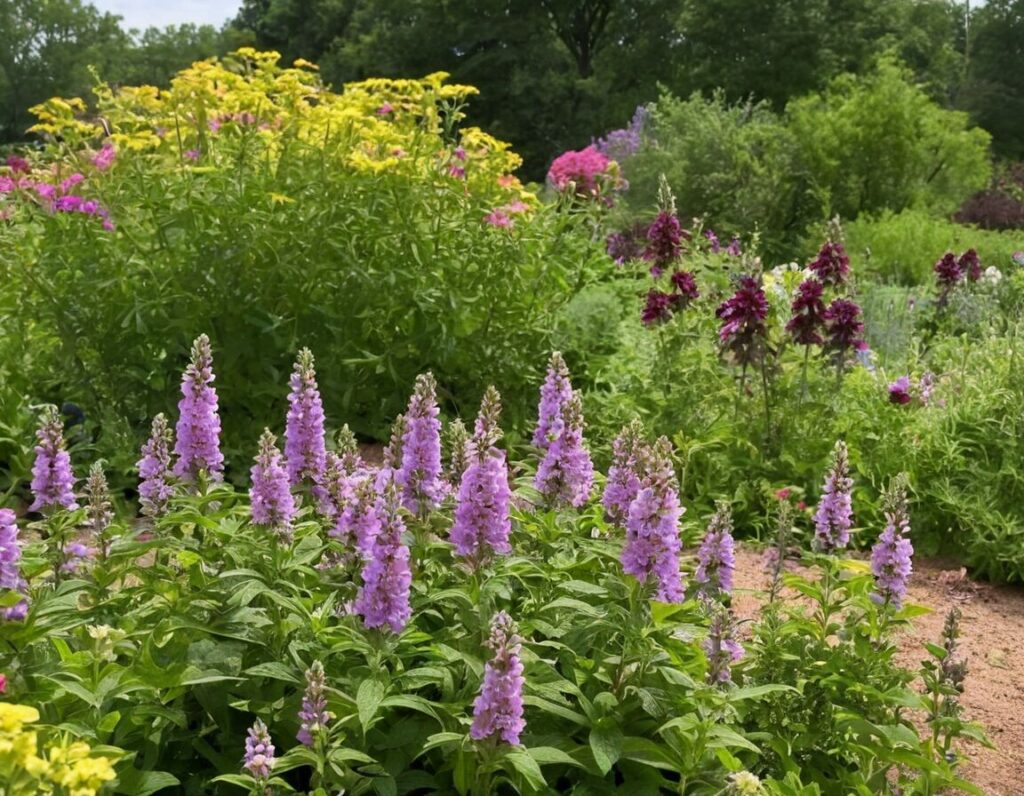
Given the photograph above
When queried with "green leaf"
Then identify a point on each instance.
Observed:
(550, 756)
(368, 699)
(275, 670)
(528, 768)
(606, 744)
(142, 783)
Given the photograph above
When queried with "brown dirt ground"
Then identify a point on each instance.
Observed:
(992, 632)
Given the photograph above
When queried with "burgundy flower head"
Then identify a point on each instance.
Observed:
(685, 285)
(831, 266)
(658, 307)
(970, 264)
(743, 319)
(947, 270)
(844, 327)
(808, 314)
(664, 241)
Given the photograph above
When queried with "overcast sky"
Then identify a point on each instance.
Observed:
(143, 13)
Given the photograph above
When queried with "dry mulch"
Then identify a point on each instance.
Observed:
(992, 632)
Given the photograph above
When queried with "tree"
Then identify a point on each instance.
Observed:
(47, 48)
(994, 93)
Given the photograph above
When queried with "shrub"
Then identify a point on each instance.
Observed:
(902, 248)
(252, 201)
(1000, 206)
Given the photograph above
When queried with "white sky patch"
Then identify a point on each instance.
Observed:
(142, 14)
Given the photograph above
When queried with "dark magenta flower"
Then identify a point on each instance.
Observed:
(685, 285)
(831, 266)
(743, 320)
(948, 274)
(843, 327)
(664, 241)
(808, 314)
(899, 390)
(657, 308)
(970, 265)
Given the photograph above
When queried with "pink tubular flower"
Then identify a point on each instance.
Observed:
(52, 479)
(155, 469)
(578, 169)
(623, 482)
(104, 159)
(197, 443)
(834, 517)
(652, 526)
(498, 709)
(566, 472)
(270, 496)
(304, 447)
(498, 218)
(383, 599)
(420, 472)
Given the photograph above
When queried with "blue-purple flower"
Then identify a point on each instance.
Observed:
(270, 495)
(716, 558)
(420, 472)
(623, 483)
(197, 443)
(155, 469)
(52, 479)
(556, 391)
(259, 752)
(10, 566)
(498, 709)
(383, 599)
(313, 716)
(721, 646)
(566, 471)
(892, 555)
(834, 517)
(304, 444)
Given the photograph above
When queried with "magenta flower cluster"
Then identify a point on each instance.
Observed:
(498, 709)
(834, 516)
(581, 171)
(304, 447)
(52, 479)
(197, 443)
(651, 551)
(808, 314)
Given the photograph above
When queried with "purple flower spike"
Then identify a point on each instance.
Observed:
(652, 525)
(498, 709)
(721, 646)
(716, 557)
(313, 717)
(304, 446)
(556, 391)
(623, 484)
(155, 469)
(892, 555)
(52, 479)
(99, 511)
(259, 752)
(383, 599)
(420, 473)
(834, 517)
(10, 566)
(566, 472)
(482, 520)
(270, 495)
(198, 431)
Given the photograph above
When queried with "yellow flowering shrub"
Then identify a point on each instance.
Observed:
(62, 768)
(378, 125)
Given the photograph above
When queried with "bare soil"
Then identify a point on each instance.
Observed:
(992, 634)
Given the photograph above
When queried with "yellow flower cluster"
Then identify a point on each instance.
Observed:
(375, 126)
(66, 767)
